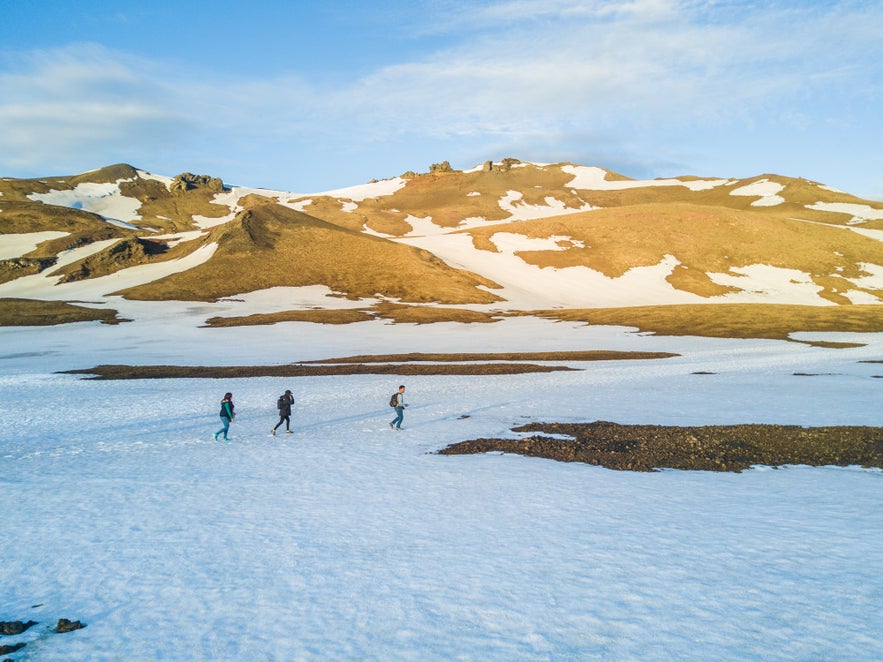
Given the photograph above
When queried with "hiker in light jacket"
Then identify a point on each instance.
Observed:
(284, 404)
(227, 415)
(396, 423)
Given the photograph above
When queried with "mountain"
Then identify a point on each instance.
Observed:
(501, 238)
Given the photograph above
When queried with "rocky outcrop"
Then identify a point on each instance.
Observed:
(444, 166)
(123, 254)
(23, 266)
(187, 181)
(9, 628)
(64, 625)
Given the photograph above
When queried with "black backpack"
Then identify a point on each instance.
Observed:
(394, 400)
(281, 402)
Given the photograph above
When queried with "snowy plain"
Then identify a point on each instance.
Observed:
(348, 541)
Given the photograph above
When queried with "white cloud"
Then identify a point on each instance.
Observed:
(514, 73)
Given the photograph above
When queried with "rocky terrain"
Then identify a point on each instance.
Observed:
(703, 448)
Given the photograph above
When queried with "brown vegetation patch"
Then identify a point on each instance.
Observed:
(578, 355)
(30, 312)
(319, 316)
(399, 313)
(303, 370)
(23, 217)
(402, 314)
(705, 448)
(775, 321)
(270, 245)
(797, 193)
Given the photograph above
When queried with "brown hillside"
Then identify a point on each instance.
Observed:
(448, 197)
(445, 196)
(704, 239)
(270, 245)
(774, 321)
(161, 209)
(26, 217)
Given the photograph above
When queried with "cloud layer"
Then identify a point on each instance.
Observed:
(551, 77)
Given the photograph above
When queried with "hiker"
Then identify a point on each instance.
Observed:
(284, 405)
(398, 401)
(227, 415)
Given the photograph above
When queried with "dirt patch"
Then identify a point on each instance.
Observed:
(300, 370)
(584, 355)
(30, 312)
(398, 313)
(319, 316)
(730, 320)
(705, 448)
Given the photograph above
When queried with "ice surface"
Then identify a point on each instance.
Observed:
(346, 540)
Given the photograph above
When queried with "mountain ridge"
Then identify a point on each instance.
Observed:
(512, 236)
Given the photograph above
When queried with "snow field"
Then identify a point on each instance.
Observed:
(346, 540)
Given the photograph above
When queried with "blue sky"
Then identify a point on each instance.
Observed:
(309, 96)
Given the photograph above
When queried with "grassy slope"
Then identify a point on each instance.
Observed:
(704, 239)
(269, 245)
(774, 321)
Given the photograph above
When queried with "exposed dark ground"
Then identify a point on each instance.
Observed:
(300, 370)
(380, 364)
(707, 448)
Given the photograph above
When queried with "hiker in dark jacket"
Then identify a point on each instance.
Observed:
(227, 415)
(284, 404)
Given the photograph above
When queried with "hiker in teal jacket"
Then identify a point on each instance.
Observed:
(227, 415)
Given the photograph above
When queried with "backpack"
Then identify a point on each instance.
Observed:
(394, 400)
(281, 402)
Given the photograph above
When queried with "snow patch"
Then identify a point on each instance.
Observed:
(524, 212)
(208, 222)
(762, 283)
(765, 190)
(361, 192)
(593, 178)
(166, 181)
(45, 286)
(509, 242)
(859, 213)
(104, 199)
(17, 245)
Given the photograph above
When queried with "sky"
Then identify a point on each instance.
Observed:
(312, 96)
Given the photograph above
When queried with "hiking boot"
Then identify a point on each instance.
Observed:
(273, 432)
(288, 432)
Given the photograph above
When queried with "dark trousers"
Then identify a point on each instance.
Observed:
(283, 419)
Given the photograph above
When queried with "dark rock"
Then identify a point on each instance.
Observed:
(6, 650)
(65, 625)
(444, 166)
(187, 181)
(14, 627)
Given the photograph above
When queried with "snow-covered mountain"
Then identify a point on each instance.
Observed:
(496, 239)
